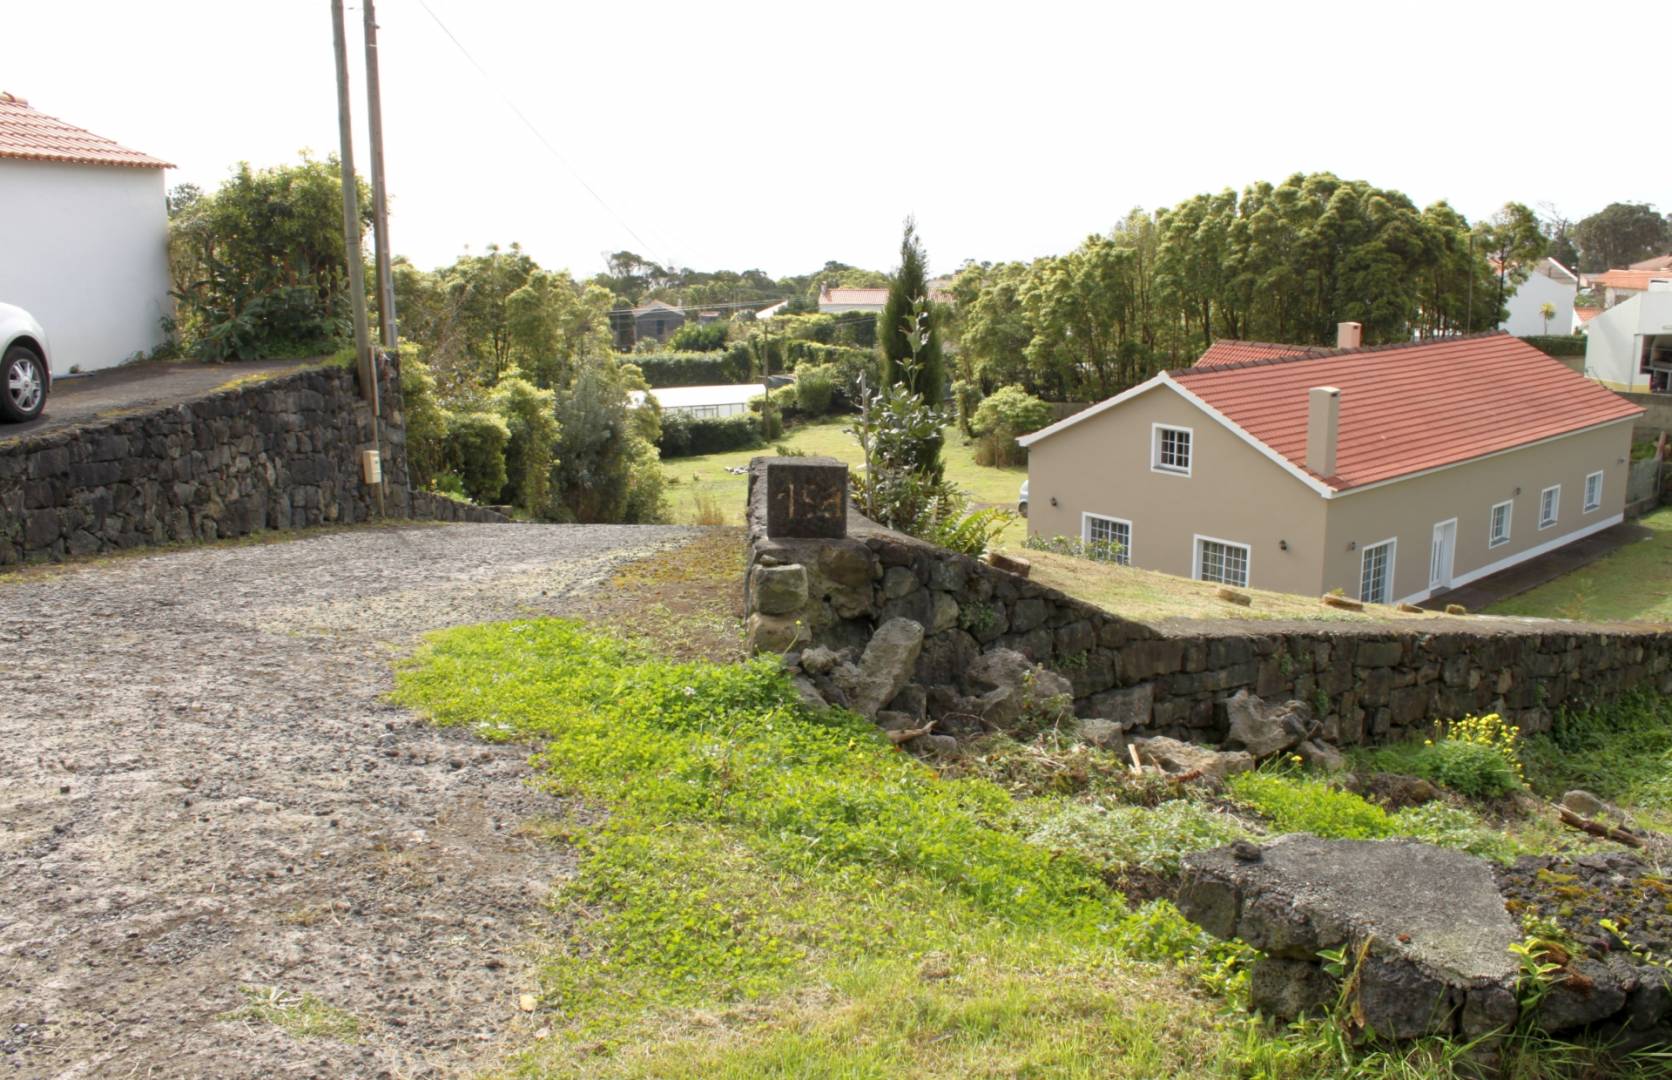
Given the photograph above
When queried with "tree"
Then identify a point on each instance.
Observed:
(1620, 234)
(908, 299)
(1514, 244)
(1083, 309)
(1548, 311)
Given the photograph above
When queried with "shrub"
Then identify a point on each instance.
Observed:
(1124, 838)
(815, 389)
(700, 337)
(606, 451)
(475, 453)
(1558, 344)
(692, 368)
(528, 414)
(1006, 413)
(683, 436)
(426, 421)
(1477, 756)
(1100, 550)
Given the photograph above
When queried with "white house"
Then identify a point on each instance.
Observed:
(699, 402)
(1629, 346)
(86, 238)
(1549, 283)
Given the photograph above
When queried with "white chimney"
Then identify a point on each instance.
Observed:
(1349, 335)
(1323, 426)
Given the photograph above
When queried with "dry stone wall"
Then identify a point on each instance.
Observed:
(1369, 682)
(279, 454)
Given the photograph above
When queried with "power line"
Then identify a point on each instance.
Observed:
(538, 134)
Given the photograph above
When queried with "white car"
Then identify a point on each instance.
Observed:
(1022, 500)
(25, 368)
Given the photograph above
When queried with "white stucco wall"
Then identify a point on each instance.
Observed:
(86, 253)
(1524, 304)
(1613, 340)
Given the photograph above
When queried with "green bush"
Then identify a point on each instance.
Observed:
(475, 453)
(1006, 413)
(683, 436)
(1305, 804)
(528, 414)
(815, 389)
(1468, 768)
(1558, 345)
(426, 421)
(700, 337)
(693, 368)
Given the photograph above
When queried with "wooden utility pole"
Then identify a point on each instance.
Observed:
(380, 195)
(351, 220)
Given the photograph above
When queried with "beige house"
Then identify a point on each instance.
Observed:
(1392, 473)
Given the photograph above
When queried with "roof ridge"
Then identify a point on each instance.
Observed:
(1322, 352)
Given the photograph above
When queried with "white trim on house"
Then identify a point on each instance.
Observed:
(1585, 504)
(1492, 538)
(1451, 568)
(1323, 489)
(1125, 557)
(1196, 559)
(1519, 557)
(1392, 544)
(1555, 507)
(1157, 433)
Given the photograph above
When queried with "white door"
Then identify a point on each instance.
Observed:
(1444, 552)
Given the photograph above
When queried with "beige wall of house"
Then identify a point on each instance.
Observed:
(1103, 466)
(1408, 510)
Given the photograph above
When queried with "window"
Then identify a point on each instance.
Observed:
(1376, 573)
(1221, 561)
(1099, 530)
(1593, 491)
(1549, 506)
(1171, 452)
(1500, 524)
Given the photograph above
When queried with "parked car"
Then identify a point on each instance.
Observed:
(25, 368)
(1022, 500)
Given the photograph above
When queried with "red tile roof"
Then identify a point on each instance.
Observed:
(1409, 408)
(1629, 279)
(1238, 352)
(1586, 314)
(28, 133)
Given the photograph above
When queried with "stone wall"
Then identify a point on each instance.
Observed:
(1371, 682)
(278, 454)
(1657, 414)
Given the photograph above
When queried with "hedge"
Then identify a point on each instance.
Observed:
(683, 436)
(1558, 345)
(693, 368)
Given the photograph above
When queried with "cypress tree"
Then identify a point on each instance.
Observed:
(910, 283)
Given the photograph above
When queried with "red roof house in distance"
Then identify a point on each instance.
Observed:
(1390, 472)
(86, 238)
(1224, 352)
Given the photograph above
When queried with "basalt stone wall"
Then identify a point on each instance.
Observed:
(279, 454)
(1372, 682)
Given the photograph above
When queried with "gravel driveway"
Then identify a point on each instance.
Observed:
(202, 789)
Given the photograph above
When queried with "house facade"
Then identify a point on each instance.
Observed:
(1629, 346)
(86, 239)
(1549, 283)
(1391, 473)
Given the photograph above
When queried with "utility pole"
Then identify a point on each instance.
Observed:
(380, 194)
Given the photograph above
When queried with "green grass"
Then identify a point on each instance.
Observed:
(706, 474)
(304, 1016)
(1632, 583)
(1621, 752)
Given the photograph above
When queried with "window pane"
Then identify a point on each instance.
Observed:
(1100, 530)
(1174, 452)
(1226, 564)
(1375, 580)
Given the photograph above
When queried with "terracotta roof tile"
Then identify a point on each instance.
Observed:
(28, 133)
(1409, 408)
(1225, 352)
(1629, 279)
(1586, 314)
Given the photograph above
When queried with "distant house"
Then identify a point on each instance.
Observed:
(655, 321)
(1549, 283)
(1618, 286)
(1659, 262)
(773, 311)
(85, 240)
(835, 299)
(698, 402)
(1391, 473)
(1629, 346)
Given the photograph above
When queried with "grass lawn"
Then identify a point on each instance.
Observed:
(1634, 582)
(706, 475)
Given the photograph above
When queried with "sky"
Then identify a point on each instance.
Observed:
(781, 135)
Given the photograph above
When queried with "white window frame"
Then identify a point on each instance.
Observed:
(1196, 559)
(1155, 450)
(1555, 507)
(1508, 507)
(1591, 505)
(1086, 517)
(1392, 544)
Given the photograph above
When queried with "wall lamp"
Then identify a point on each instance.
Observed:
(1283, 545)
(1352, 545)
(1053, 500)
(1517, 491)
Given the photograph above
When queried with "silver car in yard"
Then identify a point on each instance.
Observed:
(25, 365)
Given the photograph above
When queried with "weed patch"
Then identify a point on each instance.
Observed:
(303, 1015)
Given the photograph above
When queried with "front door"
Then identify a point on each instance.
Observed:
(1444, 553)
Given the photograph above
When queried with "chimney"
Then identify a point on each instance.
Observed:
(1349, 335)
(1323, 426)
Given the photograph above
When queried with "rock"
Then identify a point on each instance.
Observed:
(1290, 988)
(1395, 791)
(892, 720)
(1264, 730)
(944, 614)
(1321, 755)
(820, 660)
(938, 745)
(808, 693)
(778, 590)
(1175, 756)
(1130, 708)
(1015, 692)
(1583, 803)
(1008, 563)
(1590, 991)
(884, 667)
(1101, 733)
(775, 633)
(897, 581)
(1434, 919)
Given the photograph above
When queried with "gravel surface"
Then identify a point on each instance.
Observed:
(202, 788)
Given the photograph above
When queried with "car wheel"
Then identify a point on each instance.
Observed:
(22, 384)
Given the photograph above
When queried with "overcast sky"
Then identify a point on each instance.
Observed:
(780, 135)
